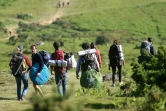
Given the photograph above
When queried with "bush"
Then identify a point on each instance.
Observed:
(54, 103)
(101, 40)
(151, 71)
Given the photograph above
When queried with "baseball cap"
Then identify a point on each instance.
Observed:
(20, 47)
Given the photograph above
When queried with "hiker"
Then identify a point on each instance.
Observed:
(37, 58)
(152, 48)
(18, 65)
(63, 4)
(147, 46)
(68, 3)
(59, 4)
(61, 74)
(116, 60)
(93, 46)
(146, 49)
(86, 46)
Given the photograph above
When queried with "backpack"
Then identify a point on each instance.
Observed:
(88, 62)
(145, 46)
(18, 65)
(71, 62)
(59, 55)
(91, 79)
(45, 56)
(115, 57)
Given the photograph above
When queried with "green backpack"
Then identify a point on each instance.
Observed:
(91, 79)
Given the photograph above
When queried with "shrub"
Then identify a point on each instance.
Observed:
(151, 71)
(101, 40)
(54, 103)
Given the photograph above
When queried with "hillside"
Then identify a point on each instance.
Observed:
(28, 22)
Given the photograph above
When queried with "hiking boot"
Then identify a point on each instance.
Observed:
(121, 83)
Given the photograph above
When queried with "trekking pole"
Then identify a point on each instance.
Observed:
(18, 68)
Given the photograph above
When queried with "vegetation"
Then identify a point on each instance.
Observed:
(92, 21)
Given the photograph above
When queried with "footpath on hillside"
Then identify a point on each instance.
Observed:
(61, 4)
(11, 30)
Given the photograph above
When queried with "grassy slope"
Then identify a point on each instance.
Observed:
(38, 10)
(136, 17)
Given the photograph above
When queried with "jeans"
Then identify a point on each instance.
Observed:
(24, 79)
(114, 71)
(61, 82)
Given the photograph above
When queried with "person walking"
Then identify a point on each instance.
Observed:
(93, 46)
(60, 72)
(81, 59)
(116, 60)
(37, 58)
(18, 65)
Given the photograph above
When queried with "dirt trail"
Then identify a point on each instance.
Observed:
(11, 30)
(52, 19)
(57, 15)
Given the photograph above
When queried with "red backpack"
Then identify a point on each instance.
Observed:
(59, 55)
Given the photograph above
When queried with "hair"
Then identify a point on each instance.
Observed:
(149, 39)
(33, 46)
(92, 45)
(85, 45)
(116, 42)
(56, 45)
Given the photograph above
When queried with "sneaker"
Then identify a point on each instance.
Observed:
(23, 98)
(121, 83)
(19, 99)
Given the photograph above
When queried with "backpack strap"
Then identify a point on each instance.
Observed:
(20, 63)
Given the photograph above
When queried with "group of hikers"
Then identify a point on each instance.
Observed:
(62, 4)
(88, 60)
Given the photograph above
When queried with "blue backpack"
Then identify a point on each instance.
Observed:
(45, 56)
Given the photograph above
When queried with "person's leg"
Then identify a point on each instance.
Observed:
(64, 84)
(37, 89)
(58, 80)
(25, 82)
(18, 84)
(113, 74)
(120, 73)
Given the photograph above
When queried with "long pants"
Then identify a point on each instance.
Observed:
(24, 79)
(61, 82)
(114, 72)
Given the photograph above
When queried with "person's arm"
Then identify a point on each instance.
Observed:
(40, 62)
(78, 67)
(52, 67)
(97, 63)
(99, 58)
(28, 62)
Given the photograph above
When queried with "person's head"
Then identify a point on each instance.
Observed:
(85, 45)
(33, 49)
(92, 45)
(116, 42)
(149, 39)
(56, 45)
(20, 49)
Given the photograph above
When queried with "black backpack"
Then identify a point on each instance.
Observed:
(17, 65)
(45, 56)
(88, 62)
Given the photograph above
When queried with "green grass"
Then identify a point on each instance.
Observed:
(130, 21)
